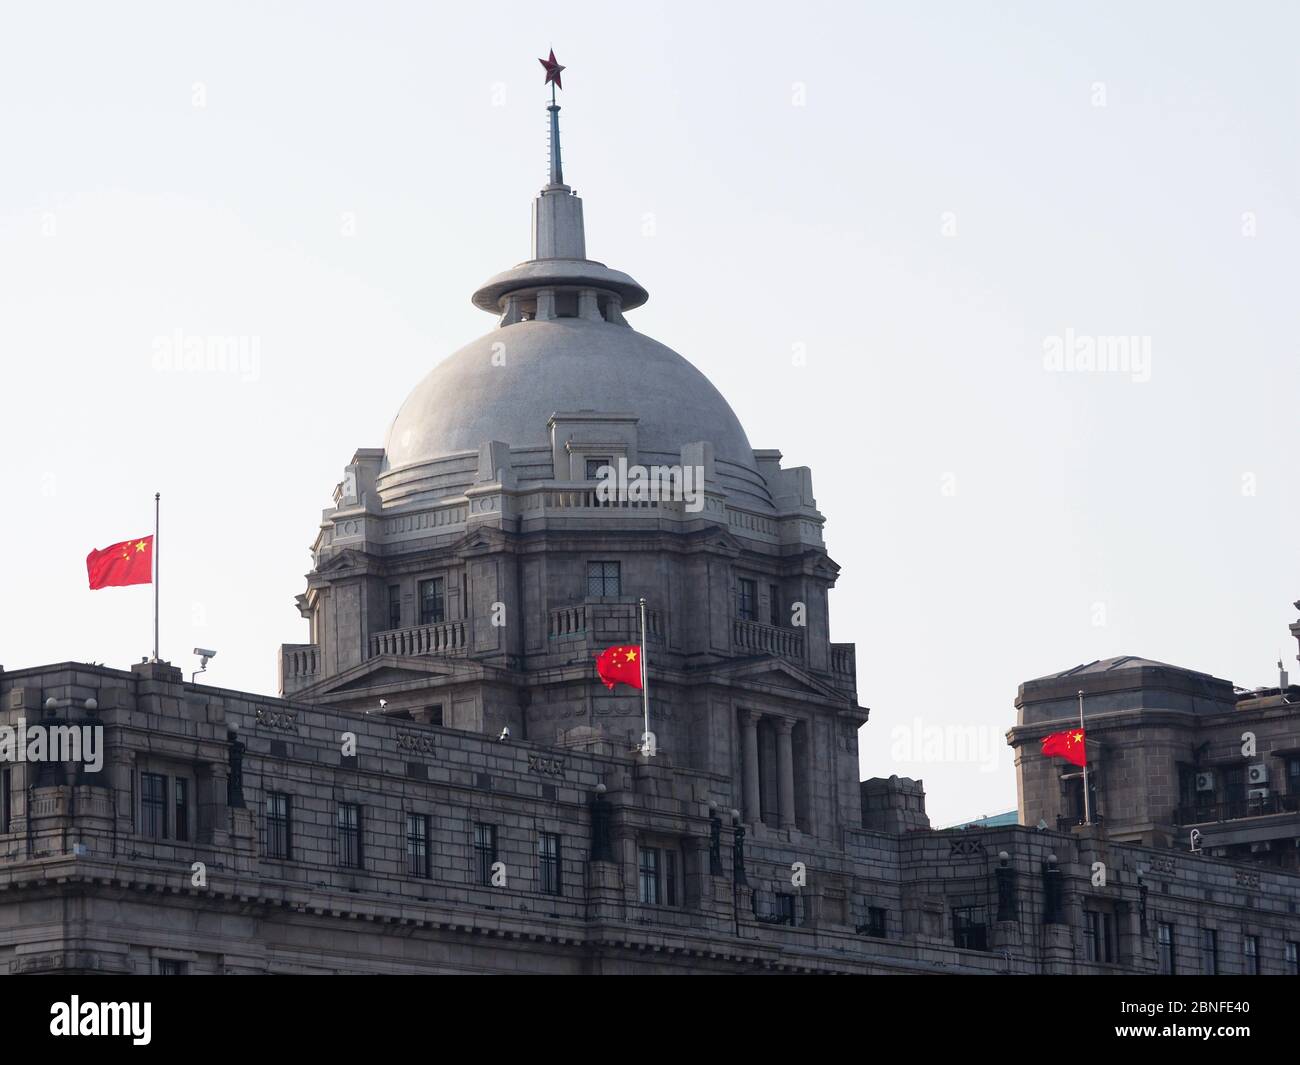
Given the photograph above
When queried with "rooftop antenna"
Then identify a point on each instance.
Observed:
(1283, 681)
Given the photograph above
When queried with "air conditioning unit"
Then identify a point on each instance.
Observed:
(1205, 781)
(1257, 773)
(1257, 793)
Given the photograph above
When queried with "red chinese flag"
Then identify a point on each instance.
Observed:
(130, 562)
(617, 664)
(1068, 745)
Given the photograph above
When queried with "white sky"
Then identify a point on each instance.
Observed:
(980, 506)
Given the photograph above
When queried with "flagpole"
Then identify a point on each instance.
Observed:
(645, 688)
(1087, 806)
(156, 571)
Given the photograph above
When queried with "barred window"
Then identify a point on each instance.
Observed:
(604, 579)
(349, 827)
(548, 863)
(153, 805)
(594, 466)
(172, 967)
(745, 599)
(279, 825)
(432, 602)
(485, 851)
(417, 845)
(182, 809)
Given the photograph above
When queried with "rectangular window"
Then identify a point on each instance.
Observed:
(1165, 941)
(279, 825)
(670, 878)
(785, 907)
(745, 599)
(182, 809)
(349, 827)
(153, 805)
(1293, 776)
(485, 852)
(1098, 937)
(435, 714)
(1250, 946)
(394, 606)
(1209, 952)
(172, 967)
(6, 809)
(876, 921)
(648, 879)
(604, 579)
(432, 602)
(417, 845)
(774, 605)
(594, 467)
(969, 931)
(548, 863)
(1293, 958)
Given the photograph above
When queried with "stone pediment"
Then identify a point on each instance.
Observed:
(767, 673)
(348, 558)
(391, 672)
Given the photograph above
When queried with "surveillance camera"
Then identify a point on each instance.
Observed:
(383, 703)
(505, 734)
(203, 652)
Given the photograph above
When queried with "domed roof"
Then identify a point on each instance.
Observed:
(507, 384)
(561, 346)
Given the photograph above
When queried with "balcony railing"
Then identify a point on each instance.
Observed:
(751, 637)
(444, 638)
(604, 623)
(299, 661)
(844, 659)
(1236, 809)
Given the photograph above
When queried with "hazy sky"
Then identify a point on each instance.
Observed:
(922, 204)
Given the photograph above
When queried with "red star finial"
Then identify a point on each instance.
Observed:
(553, 69)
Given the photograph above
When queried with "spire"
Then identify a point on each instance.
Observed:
(557, 167)
(557, 212)
(553, 70)
(558, 280)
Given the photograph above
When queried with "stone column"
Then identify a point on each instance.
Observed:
(749, 746)
(785, 770)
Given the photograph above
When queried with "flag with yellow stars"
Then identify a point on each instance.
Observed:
(620, 664)
(1068, 745)
(130, 562)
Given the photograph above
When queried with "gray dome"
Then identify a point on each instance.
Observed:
(564, 364)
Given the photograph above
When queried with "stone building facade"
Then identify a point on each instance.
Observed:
(1176, 759)
(443, 784)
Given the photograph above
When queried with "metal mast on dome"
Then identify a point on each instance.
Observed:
(553, 70)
